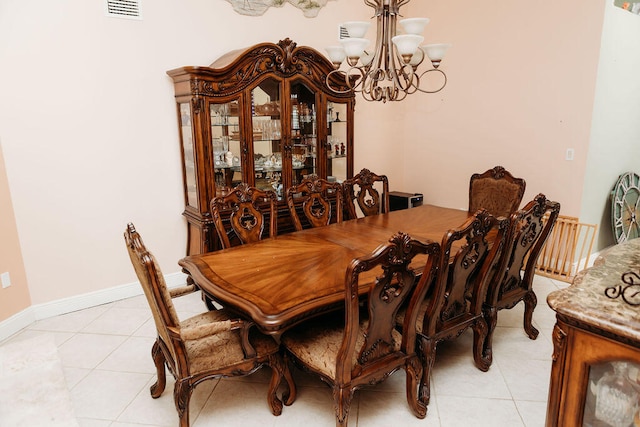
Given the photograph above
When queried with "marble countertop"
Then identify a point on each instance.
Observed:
(585, 300)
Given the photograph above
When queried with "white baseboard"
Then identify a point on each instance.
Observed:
(29, 315)
(16, 322)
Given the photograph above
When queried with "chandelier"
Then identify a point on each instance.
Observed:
(389, 72)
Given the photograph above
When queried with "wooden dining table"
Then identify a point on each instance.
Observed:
(281, 281)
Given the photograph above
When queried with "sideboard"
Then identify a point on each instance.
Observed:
(595, 374)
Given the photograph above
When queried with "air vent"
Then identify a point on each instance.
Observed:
(126, 9)
(344, 34)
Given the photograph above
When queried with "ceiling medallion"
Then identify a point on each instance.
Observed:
(310, 8)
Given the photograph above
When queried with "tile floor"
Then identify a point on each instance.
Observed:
(105, 352)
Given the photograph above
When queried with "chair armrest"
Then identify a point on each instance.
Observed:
(202, 331)
(247, 348)
(209, 329)
(182, 290)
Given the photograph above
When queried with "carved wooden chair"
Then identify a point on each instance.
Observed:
(238, 217)
(318, 200)
(363, 347)
(469, 257)
(497, 191)
(361, 190)
(209, 345)
(513, 281)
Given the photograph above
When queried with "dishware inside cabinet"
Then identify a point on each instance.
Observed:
(225, 141)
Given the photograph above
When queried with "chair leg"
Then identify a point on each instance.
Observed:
(483, 357)
(182, 395)
(342, 400)
(491, 318)
(158, 360)
(427, 352)
(530, 302)
(413, 370)
(289, 396)
(277, 372)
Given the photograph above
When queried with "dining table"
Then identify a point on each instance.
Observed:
(281, 281)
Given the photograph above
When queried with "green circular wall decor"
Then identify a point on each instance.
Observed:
(625, 209)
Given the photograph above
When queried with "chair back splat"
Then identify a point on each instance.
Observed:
(317, 200)
(210, 345)
(361, 190)
(242, 215)
(364, 347)
(497, 191)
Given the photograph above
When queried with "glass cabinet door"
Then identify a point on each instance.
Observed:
(190, 178)
(304, 138)
(225, 138)
(613, 398)
(336, 141)
(267, 136)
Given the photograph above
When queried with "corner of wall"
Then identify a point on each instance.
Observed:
(16, 297)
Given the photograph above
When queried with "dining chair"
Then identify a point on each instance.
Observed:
(361, 189)
(210, 345)
(513, 282)
(497, 191)
(469, 256)
(363, 347)
(239, 217)
(317, 200)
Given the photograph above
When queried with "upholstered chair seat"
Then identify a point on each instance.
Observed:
(316, 344)
(211, 344)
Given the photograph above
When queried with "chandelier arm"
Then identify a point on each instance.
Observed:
(348, 86)
(374, 4)
(360, 78)
(402, 96)
(375, 85)
(370, 84)
(412, 78)
(327, 81)
(444, 83)
(405, 79)
(400, 2)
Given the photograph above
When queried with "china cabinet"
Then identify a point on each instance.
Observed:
(264, 116)
(595, 375)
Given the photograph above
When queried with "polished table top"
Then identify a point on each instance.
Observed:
(281, 281)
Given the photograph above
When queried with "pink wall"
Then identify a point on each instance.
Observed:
(520, 92)
(16, 297)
